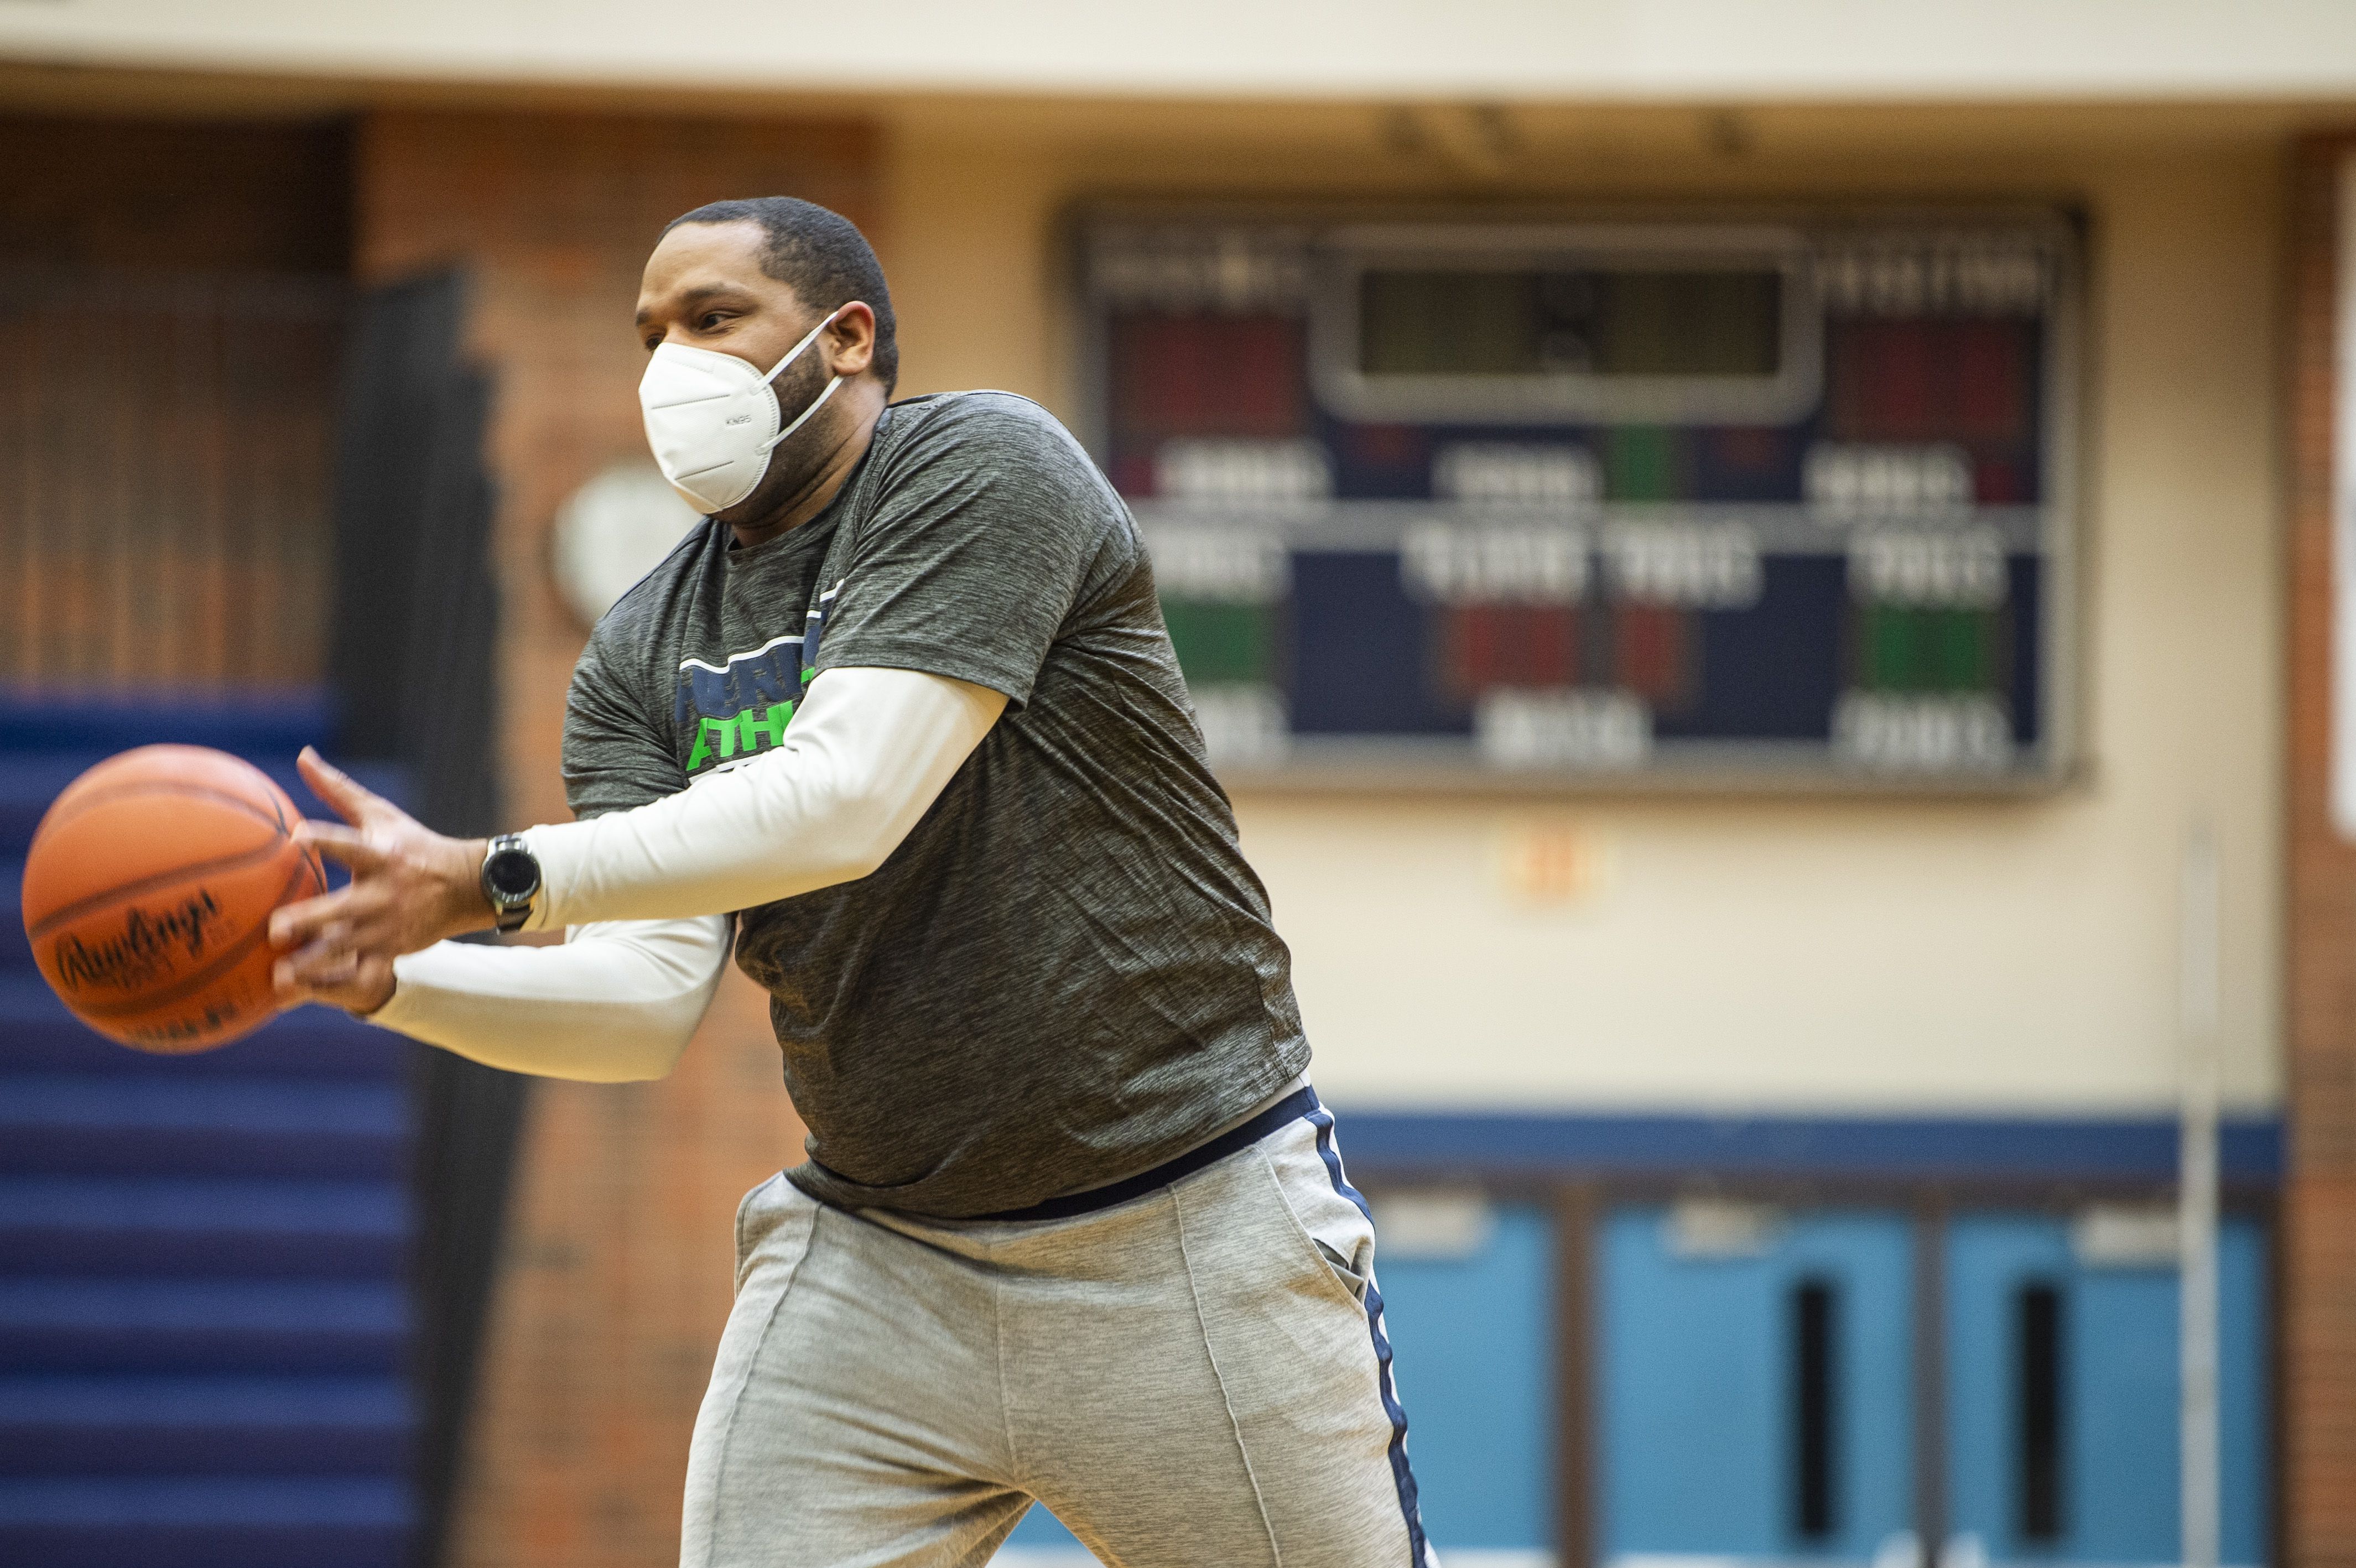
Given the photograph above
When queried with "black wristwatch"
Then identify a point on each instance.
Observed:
(511, 879)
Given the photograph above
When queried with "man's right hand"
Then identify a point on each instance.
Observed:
(411, 886)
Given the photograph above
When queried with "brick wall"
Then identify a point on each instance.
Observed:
(2318, 1319)
(169, 332)
(616, 1274)
(174, 196)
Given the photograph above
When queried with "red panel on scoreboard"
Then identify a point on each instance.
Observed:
(1883, 382)
(1992, 371)
(1235, 376)
(2000, 482)
(1536, 647)
(1519, 646)
(1653, 649)
(1926, 381)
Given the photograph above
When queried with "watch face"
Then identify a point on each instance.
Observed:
(511, 874)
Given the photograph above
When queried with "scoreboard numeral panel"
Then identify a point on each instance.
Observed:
(1780, 502)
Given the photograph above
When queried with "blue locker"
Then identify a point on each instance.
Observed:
(1705, 1404)
(2114, 1366)
(1473, 1341)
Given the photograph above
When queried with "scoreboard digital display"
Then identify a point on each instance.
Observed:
(1779, 501)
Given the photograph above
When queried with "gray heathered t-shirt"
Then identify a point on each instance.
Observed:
(1066, 974)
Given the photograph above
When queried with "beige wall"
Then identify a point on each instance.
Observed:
(1887, 956)
(1523, 48)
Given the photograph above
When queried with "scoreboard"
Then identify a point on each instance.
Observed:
(1755, 501)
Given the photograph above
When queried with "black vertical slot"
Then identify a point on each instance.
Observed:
(1815, 1323)
(2039, 1336)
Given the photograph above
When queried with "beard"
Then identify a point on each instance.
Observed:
(796, 461)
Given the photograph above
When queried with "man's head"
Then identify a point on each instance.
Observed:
(819, 255)
(752, 279)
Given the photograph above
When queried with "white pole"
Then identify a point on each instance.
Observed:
(2197, 1202)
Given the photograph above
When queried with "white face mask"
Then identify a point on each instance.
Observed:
(712, 420)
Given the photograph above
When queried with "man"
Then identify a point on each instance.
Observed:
(902, 713)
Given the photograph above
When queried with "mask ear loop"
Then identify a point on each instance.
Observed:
(815, 403)
(803, 418)
(795, 351)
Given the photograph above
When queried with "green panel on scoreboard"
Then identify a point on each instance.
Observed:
(1762, 500)
(1220, 641)
(1641, 464)
(1914, 649)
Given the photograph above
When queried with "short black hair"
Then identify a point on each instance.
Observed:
(821, 256)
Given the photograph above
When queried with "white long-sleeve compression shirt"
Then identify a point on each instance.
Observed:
(868, 751)
(643, 894)
(617, 1002)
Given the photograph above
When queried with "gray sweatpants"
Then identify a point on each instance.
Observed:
(1197, 1378)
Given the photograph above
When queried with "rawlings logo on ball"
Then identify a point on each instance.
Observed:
(144, 952)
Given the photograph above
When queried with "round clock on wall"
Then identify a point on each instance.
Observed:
(614, 531)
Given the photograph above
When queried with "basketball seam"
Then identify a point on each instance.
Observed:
(100, 796)
(204, 976)
(127, 889)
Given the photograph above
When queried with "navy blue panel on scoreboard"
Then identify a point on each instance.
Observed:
(1771, 502)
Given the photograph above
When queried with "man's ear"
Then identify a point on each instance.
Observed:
(850, 339)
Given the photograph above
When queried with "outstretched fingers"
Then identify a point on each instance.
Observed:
(348, 848)
(409, 887)
(353, 801)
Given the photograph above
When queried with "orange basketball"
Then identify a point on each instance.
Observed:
(148, 890)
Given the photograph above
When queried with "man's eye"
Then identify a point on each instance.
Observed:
(711, 319)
